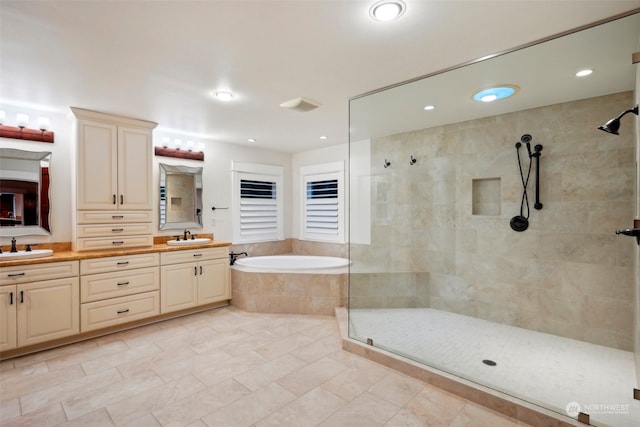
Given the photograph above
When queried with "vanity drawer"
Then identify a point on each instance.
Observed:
(37, 272)
(115, 242)
(118, 263)
(177, 257)
(125, 229)
(111, 312)
(101, 286)
(112, 217)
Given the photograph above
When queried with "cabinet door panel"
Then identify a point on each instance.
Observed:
(8, 318)
(134, 169)
(48, 310)
(97, 166)
(213, 284)
(178, 287)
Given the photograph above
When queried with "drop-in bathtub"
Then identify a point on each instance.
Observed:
(301, 284)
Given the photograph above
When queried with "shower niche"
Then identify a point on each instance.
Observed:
(486, 197)
(441, 278)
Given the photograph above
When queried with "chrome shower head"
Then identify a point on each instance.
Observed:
(613, 125)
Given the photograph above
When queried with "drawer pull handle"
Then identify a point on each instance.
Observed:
(123, 311)
(123, 262)
(197, 255)
(117, 229)
(117, 216)
(123, 283)
(10, 298)
(16, 274)
(21, 297)
(118, 242)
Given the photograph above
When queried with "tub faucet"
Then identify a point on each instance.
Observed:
(13, 245)
(233, 257)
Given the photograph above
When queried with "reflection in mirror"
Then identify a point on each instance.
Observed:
(180, 197)
(24, 192)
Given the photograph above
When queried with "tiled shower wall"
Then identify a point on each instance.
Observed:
(441, 226)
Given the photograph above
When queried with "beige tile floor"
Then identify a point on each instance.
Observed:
(223, 367)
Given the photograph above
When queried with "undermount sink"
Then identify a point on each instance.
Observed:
(34, 253)
(188, 242)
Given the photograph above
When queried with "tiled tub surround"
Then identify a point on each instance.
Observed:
(298, 293)
(567, 275)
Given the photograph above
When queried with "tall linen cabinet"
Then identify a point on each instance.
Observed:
(113, 183)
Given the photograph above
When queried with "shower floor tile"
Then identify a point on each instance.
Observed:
(543, 369)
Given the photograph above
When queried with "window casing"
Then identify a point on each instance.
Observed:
(323, 202)
(257, 202)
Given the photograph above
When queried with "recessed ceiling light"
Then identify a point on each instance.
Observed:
(430, 107)
(251, 140)
(584, 72)
(323, 137)
(224, 95)
(387, 10)
(496, 93)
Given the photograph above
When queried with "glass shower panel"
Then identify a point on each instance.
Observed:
(439, 276)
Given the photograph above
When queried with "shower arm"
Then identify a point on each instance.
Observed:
(536, 155)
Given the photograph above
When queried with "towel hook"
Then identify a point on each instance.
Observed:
(412, 161)
(387, 163)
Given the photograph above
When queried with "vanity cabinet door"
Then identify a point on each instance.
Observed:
(178, 287)
(48, 310)
(8, 331)
(97, 183)
(213, 281)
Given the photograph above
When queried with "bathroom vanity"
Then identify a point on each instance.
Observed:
(71, 296)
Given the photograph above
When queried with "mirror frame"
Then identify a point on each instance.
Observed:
(27, 230)
(196, 172)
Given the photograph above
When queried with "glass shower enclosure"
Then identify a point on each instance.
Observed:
(440, 274)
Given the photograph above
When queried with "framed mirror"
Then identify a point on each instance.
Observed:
(180, 197)
(24, 192)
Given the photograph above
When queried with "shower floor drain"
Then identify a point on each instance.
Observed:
(489, 362)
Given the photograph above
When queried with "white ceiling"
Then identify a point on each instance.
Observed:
(160, 60)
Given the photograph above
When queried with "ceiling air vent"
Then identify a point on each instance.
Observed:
(301, 104)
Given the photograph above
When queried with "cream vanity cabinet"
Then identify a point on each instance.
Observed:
(118, 289)
(114, 191)
(194, 277)
(39, 302)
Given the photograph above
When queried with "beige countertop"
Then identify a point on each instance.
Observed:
(63, 252)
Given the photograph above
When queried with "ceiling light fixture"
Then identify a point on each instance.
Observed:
(251, 140)
(224, 95)
(323, 137)
(496, 93)
(584, 72)
(387, 10)
(430, 107)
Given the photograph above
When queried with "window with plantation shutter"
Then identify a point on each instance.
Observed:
(323, 206)
(257, 203)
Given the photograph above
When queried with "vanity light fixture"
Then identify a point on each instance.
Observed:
(20, 131)
(496, 93)
(613, 125)
(585, 72)
(387, 10)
